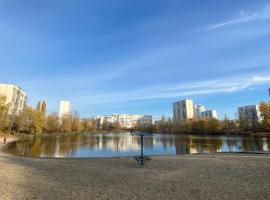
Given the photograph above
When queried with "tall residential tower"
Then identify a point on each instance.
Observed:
(65, 108)
(183, 110)
(15, 96)
(250, 113)
(198, 109)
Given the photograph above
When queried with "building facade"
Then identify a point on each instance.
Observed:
(183, 110)
(209, 114)
(198, 109)
(15, 97)
(124, 120)
(65, 108)
(251, 113)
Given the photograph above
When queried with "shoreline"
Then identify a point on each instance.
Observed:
(200, 176)
(260, 134)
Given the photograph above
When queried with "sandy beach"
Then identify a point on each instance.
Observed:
(213, 176)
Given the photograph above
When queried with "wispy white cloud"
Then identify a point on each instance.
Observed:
(226, 85)
(243, 17)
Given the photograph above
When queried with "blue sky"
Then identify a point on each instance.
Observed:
(132, 56)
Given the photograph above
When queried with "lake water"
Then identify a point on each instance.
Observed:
(125, 144)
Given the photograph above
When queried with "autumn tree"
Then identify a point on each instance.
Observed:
(76, 122)
(4, 107)
(199, 126)
(265, 113)
(37, 121)
(52, 123)
(214, 125)
(228, 126)
(43, 108)
(22, 121)
(88, 125)
(85, 125)
(66, 122)
(38, 108)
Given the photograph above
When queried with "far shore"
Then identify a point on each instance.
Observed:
(259, 134)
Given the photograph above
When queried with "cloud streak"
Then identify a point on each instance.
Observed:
(243, 17)
(227, 85)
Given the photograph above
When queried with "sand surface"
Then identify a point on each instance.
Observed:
(215, 176)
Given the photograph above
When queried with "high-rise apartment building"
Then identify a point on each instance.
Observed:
(15, 97)
(198, 109)
(183, 110)
(209, 114)
(65, 108)
(251, 113)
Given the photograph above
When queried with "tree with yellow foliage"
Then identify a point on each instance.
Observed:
(76, 122)
(265, 113)
(66, 123)
(52, 123)
(4, 107)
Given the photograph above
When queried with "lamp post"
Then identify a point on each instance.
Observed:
(141, 159)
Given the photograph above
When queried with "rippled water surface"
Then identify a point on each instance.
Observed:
(125, 144)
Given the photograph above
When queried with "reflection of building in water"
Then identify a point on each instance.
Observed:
(123, 143)
(190, 145)
(265, 144)
(182, 148)
(124, 120)
(193, 149)
(58, 153)
(120, 144)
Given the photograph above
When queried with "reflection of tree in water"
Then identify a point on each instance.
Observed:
(213, 144)
(253, 144)
(148, 142)
(190, 144)
(35, 146)
(182, 145)
(70, 145)
(63, 145)
(115, 142)
(49, 145)
(166, 141)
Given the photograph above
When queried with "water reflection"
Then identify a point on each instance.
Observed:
(107, 145)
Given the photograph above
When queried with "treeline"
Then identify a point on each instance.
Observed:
(35, 121)
(214, 126)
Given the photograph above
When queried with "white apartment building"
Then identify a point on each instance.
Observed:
(15, 97)
(65, 108)
(209, 114)
(250, 113)
(183, 110)
(124, 120)
(198, 109)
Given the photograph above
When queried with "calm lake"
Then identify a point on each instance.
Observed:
(125, 144)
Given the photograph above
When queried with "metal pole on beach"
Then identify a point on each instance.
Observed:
(141, 149)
